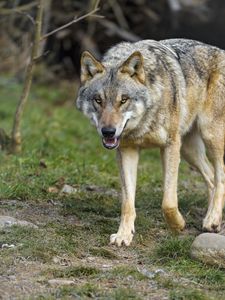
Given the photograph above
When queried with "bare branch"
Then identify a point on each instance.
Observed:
(97, 4)
(28, 16)
(75, 20)
(119, 31)
(19, 9)
(118, 13)
(155, 18)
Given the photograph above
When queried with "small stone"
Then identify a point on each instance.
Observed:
(52, 189)
(150, 274)
(146, 273)
(100, 190)
(56, 259)
(6, 221)
(68, 189)
(60, 281)
(106, 266)
(8, 246)
(210, 249)
(160, 271)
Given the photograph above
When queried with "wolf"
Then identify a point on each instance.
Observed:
(168, 94)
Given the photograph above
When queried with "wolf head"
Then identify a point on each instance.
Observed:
(113, 96)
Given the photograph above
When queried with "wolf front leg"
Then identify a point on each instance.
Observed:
(170, 160)
(128, 161)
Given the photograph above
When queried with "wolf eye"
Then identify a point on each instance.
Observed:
(124, 99)
(98, 99)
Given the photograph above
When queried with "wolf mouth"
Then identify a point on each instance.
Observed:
(111, 143)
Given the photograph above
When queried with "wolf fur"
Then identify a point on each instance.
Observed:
(168, 94)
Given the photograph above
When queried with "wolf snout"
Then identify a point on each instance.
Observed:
(109, 138)
(108, 132)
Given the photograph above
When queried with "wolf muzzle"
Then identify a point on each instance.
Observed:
(109, 140)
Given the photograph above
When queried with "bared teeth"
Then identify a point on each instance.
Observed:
(110, 143)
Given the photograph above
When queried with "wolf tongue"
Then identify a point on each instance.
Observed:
(110, 140)
(110, 143)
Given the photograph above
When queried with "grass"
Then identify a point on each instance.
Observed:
(174, 253)
(102, 252)
(75, 272)
(189, 295)
(71, 241)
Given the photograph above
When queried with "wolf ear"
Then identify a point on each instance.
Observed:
(89, 66)
(134, 66)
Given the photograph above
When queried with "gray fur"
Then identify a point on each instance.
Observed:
(174, 93)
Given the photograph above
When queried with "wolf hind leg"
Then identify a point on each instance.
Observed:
(194, 152)
(128, 161)
(214, 141)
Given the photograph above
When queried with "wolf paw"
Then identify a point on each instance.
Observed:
(212, 223)
(174, 219)
(121, 238)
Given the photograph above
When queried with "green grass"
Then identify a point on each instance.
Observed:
(173, 247)
(102, 252)
(75, 272)
(189, 295)
(35, 244)
(127, 271)
(60, 146)
(174, 254)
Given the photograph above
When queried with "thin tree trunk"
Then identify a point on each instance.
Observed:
(13, 143)
(16, 131)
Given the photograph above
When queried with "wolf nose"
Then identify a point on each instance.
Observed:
(108, 132)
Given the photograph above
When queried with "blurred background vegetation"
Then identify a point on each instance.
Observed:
(129, 20)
